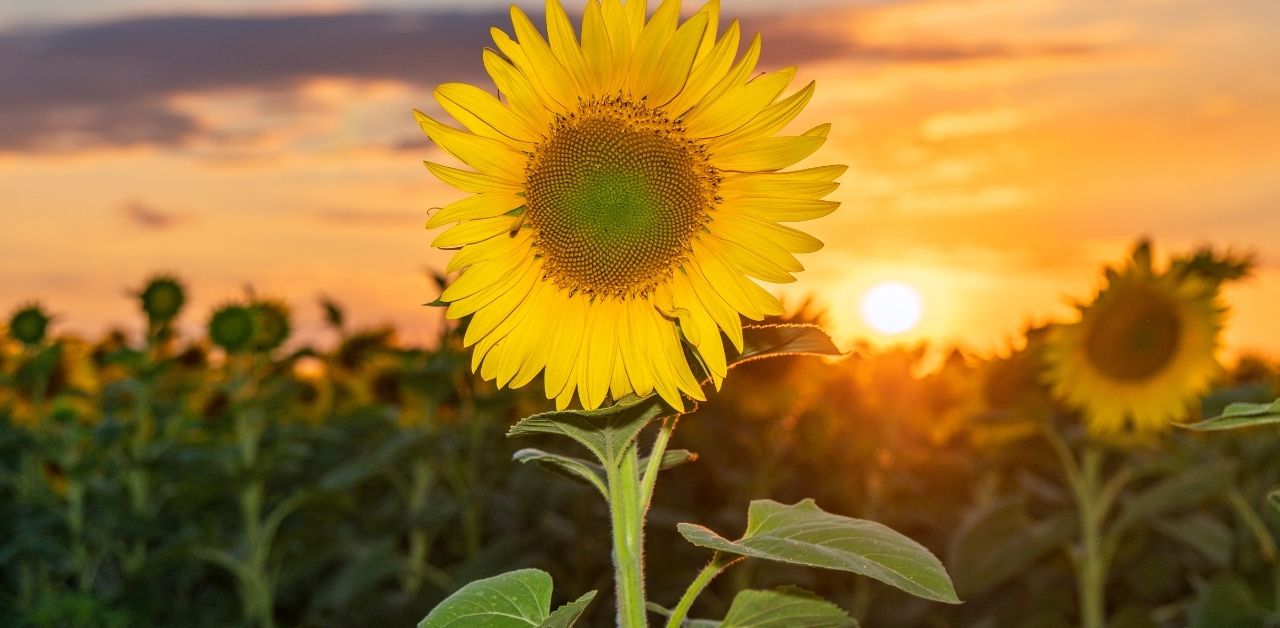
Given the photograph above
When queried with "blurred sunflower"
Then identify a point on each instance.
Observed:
(626, 191)
(1141, 352)
(59, 382)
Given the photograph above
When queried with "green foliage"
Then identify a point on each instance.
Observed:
(511, 600)
(1238, 415)
(804, 534)
(784, 608)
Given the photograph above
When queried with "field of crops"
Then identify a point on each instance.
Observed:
(155, 479)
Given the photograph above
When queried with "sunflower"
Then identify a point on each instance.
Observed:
(1141, 353)
(626, 192)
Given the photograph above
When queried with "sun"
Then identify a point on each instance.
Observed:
(892, 307)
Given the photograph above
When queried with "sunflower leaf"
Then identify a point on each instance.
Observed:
(803, 534)
(569, 614)
(568, 466)
(782, 608)
(516, 599)
(1238, 415)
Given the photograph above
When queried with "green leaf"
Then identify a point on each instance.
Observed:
(566, 616)
(784, 608)
(1000, 541)
(1228, 602)
(1239, 415)
(803, 534)
(1184, 490)
(606, 432)
(766, 341)
(515, 599)
(568, 466)
(1203, 533)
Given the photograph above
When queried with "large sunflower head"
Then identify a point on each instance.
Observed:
(626, 192)
(1141, 352)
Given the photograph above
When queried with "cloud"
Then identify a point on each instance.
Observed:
(150, 217)
(114, 83)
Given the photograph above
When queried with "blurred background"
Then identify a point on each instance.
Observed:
(999, 149)
(345, 469)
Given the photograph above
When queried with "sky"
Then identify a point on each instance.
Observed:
(1000, 152)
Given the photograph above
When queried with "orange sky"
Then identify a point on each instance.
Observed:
(1000, 151)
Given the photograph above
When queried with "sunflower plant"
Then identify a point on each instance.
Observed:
(1137, 361)
(627, 188)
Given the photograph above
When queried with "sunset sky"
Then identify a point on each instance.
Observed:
(999, 151)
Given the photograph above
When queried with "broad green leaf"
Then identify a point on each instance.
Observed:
(606, 432)
(764, 341)
(1203, 533)
(1183, 490)
(804, 534)
(1239, 415)
(784, 608)
(1000, 541)
(1228, 602)
(566, 616)
(687, 623)
(574, 468)
(516, 599)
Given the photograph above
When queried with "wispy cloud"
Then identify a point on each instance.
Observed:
(148, 216)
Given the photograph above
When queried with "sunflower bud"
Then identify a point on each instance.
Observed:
(29, 325)
(271, 325)
(162, 299)
(232, 328)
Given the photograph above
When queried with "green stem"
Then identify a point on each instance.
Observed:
(1093, 569)
(75, 524)
(421, 481)
(1092, 501)
(655, 460)
(718, 564)
(626, 513)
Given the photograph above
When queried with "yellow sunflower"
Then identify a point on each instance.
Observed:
(1141, 353)
(627, 191)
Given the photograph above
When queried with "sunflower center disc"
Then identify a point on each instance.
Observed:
(615, 193)
(1135, 336)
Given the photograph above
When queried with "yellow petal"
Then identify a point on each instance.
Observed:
(483, 114)
(707, 72)
(543, 66)
(782, 208)
(752, 263)
(485, 274)
(620, 38)
(599, 350)
(486, 205)
(648, 49)
(517, 89)
(726, 280)
(635, 12)
(736, 106)
(487, 155)
(597, 51)
(724, 314)
(774, 118)
(768, 153)
(773, 185)
(564, 44)
(493, 248)
(568, 344)
(762, 235)
(635, 354)
(468, 181)
(728, 81)
(473, 231)
(672, 70)
(712, 10)
(485, 321)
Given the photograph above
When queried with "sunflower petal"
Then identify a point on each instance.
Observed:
(483, 114)
(487, 155)
(484, 205)
(468, 181)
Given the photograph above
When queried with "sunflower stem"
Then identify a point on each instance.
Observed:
(626, 513)
(719, 562)
(655, 461)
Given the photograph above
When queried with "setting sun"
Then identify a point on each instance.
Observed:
(892, 307)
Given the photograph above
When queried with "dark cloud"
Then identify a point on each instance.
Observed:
(111, 83)
(150, 217)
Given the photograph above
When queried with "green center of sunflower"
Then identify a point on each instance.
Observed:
(1135, 335)
(615, 193)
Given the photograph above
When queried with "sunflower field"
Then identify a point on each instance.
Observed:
(241, 479)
